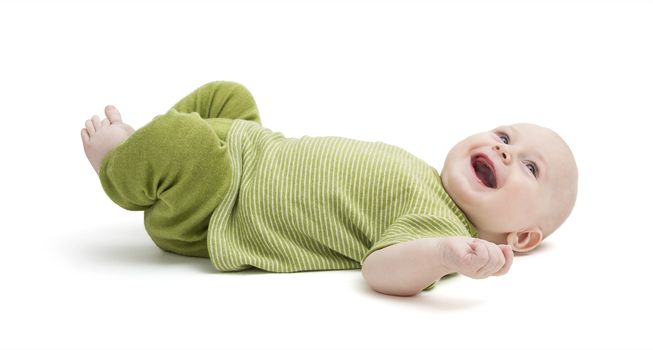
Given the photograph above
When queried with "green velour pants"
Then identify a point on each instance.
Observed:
(177, 168)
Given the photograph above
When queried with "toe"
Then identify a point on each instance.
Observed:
(89, 127)
(113, 114)
(96, 122)
(105, 122)
(85, 137)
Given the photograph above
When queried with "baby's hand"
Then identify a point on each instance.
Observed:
(475, 258)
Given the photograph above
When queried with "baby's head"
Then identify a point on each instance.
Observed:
(516, 184)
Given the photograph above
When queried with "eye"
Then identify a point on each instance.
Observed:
(532, 168)
(504, 138)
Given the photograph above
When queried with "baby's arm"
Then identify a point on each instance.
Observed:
(405, 269)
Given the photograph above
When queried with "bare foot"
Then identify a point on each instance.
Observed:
(100, 137)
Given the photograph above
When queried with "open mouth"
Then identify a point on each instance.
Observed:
(484, 170)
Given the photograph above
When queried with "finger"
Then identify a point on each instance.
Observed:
(89, 127)
(96, 122)
(493, 260)
(498, 259)
(458, 254)
(508, 255)
(480, 259)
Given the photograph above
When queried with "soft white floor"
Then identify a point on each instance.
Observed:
(78, 272)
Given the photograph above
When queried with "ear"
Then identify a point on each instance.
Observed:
(524, 241)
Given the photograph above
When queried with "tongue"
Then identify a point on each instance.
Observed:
(484, 173)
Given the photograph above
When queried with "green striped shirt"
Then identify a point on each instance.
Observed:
(323, 203)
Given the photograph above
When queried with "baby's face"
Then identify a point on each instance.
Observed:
(512, 179)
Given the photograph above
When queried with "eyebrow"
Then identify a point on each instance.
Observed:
(511, 128)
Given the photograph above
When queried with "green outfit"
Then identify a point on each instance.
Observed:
(213, 182)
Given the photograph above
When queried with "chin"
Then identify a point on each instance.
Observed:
(468, 198)
(465, 191)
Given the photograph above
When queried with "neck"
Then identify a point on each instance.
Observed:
(496, 238)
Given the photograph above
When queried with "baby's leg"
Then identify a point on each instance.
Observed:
(177, 170)
(220, 99)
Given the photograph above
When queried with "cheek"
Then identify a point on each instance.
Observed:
(520, 198)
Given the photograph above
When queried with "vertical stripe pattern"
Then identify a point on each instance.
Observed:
(323, 203)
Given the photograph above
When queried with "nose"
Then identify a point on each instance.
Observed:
(505, 155)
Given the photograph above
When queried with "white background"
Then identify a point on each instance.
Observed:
(78, 272)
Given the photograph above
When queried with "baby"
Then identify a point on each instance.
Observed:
(214, 183)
